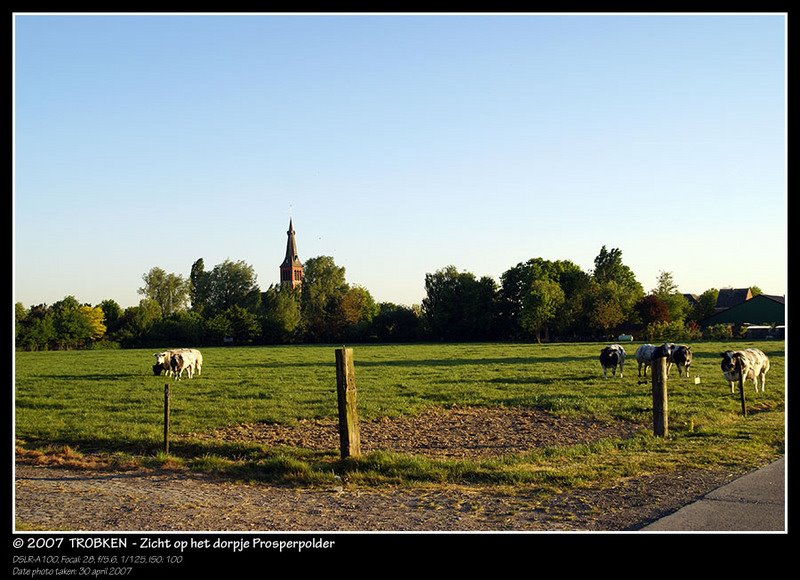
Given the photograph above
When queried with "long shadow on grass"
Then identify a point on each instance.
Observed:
(94, 376)
(450, 362)
(533, 380)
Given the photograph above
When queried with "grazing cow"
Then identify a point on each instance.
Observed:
(644, 356)
(164, 361)
(611, 356)
(751, 363)
(182, 360)
(647, 352)
(681, 357)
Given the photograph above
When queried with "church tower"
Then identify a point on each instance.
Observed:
(291, 268)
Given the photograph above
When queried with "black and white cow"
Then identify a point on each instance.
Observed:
(681, 356)
(647, 352)
(612, 356)
(751, 363)
(644, 356)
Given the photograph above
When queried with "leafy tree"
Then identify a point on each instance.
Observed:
(183, 328)
(706, 305)
(244, 326)
(199, 286)
(280, 313)
(112, 314)
(357, 309)
(516, 284)
(20, 315)
(652, 309)
(619, 290)
(458, 306)
(323, 287)
(755, 290)
(137, 321)
(169, 291)
(217, 329)
(72, 327)
(667, 291)
(602, 307)
(36, 328)
(396, 323)
(232, 284)
(540, 306)
(95, 319)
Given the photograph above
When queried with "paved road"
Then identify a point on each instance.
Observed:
(755, 502)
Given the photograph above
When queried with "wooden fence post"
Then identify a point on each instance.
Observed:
(166, 418)
(660, 407)
(349, 437)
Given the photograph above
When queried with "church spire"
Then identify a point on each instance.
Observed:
(292, 268)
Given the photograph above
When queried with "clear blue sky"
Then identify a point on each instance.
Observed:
(399, 144)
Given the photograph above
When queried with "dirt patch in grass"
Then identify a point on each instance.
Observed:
(456, 433)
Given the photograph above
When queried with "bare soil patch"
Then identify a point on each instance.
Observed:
(456, 433)
(58, 498)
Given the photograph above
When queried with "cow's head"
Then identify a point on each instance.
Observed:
(176, 361)
(729, 360)
(609, 355)
(682, 354)
(662, 351)
(161, 357)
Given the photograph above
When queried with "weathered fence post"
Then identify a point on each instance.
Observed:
(741, 387)
(660, 407)
(166, 418)
(349, 438)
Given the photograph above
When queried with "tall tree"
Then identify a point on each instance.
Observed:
(457, 306)
(620, 291)
(112, 313)
(357, 306)
(603, 309)
(280, 313)
(516, 284)
(169, 291)
(540, 306)
(608, 267)
(322, 289)
(36, 328)
(667, 292)
(72, 327)
(232, 284)
(198, 286)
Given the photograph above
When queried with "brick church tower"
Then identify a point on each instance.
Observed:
(292, 267)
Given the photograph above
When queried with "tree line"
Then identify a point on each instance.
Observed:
(538, 300)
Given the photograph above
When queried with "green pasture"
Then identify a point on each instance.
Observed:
(110, 402)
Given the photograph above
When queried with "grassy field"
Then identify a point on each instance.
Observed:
(109, 401)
